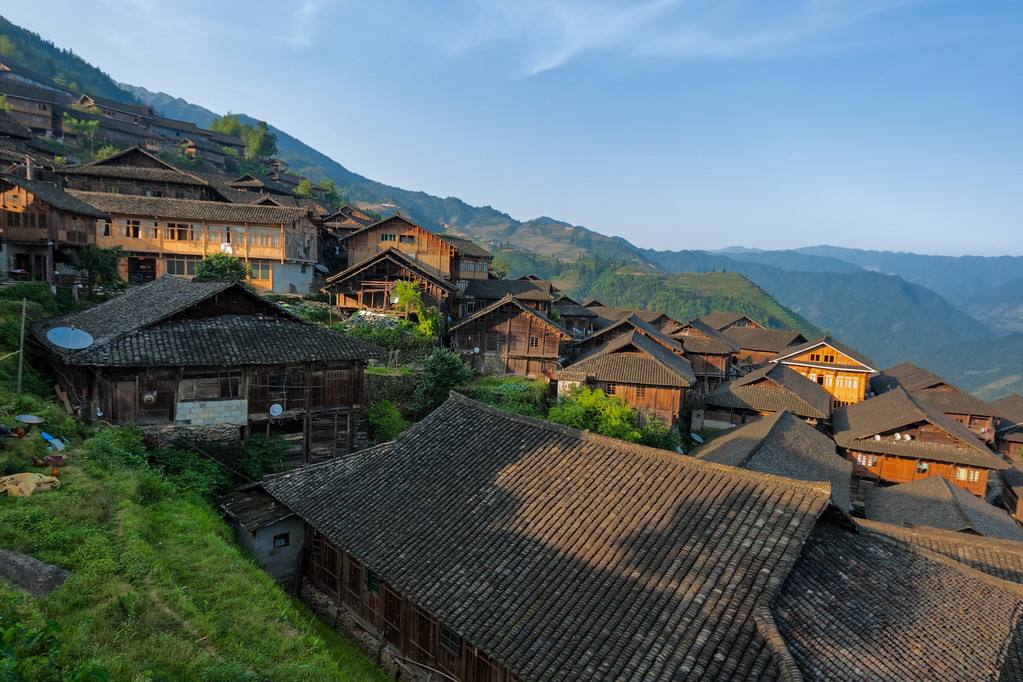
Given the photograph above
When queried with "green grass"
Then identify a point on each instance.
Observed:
(513, 394)
(390, 371)
(159, 590)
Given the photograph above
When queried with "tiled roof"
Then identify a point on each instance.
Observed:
(935, 502)
(856, 607)
(773, 388)
(401, 258)
(11, 128)
(1010, 408)
(466, 247)
(629, 323)
(54, 196)
(953, 401)
(189, 209)
(252, 508)
(568, 307)
(719, 320)
(784, 445)
(863, 360)
(135, 173)
(932, 389)
(632, 358)
(707, 340)
(13, 88)
(998, 558)
(856, 425)
(907, 375)
(763, 340)
(525, 290)
(565, 555)
(611, 315)
(513, 301)
(128, 107)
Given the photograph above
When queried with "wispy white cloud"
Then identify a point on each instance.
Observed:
(303, 21)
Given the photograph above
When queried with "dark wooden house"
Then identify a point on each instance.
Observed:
(709, 352)
(765, 391)
(625, 325)
(896, 438)
(977, 415)
(569, 532)
(213, 356)
(136, 171)
(936, 503)
(1009, 435)
(369, 285)
(478, 294)
(844, 372)
(723, 321)
(637, 369)
(510, 337)
(41, 228)
(577, 319)
(757, 346)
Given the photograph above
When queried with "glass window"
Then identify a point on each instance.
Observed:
(182, 232)
(372, 582)
(450, 640)
(388, 237)
(282, 540)
(132, 228)
(407, 239)
(259, 269)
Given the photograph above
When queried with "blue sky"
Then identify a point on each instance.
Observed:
(887, 124)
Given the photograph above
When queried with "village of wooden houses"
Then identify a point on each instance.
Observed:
(473, 475)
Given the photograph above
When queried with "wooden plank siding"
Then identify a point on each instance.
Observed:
(839, 374)
(510, 341)
(889, 469)
(664, 403)
(413, 631)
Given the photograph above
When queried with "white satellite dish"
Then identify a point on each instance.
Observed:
(898, 436)
(276, 410)
(696, 437)
(907, 437)
(69, 338)
(475, 349)
(149, 398)
(877, 436)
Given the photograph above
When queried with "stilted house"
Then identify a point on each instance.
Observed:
(1009, 436)
(577, 319)
(347, 219)
(165, 236)
(767, 391)
(724, 321)
(510, 337)
(843, 371)
(785, 445)
(211, 356)
(483, 293)
(974, 413)
(897, 438)
(708, 351)
(369, 284)
(936, 503)
(637, 369)
(757, 346)
(42, 227)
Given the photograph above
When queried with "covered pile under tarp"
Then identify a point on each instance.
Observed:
(23, 485)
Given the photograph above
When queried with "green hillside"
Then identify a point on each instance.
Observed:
(990, 368)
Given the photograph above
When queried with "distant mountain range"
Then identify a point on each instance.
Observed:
(942, 312)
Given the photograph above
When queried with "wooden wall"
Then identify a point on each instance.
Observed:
(662, 402)
(892, 470)
(510, 341)
(421, 244)
(173, 190)
(828, 367)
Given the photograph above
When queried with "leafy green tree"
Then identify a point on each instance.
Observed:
(260, 143)
(385, 421)
(443, 370)
(4, 104)
(429, 322)
(593, 410)
(102, 266)
(85, 130)
(331, 194)
(304, 188)
(105, 151)
(221, 267)
(227, 125)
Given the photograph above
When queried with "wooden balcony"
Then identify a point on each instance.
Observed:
(190, 248)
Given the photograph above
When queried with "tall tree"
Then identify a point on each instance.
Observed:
(260, 143)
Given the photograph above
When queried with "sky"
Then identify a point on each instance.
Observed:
(678, 124)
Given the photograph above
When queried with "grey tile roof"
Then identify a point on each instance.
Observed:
(937, 503)
(525, 290)
(189, 209)
(1010, 408)
(856, 425)
(784, 445)
(706, 340)
(859, 357)
(568, 307)
(951, 400)
(135, 173)
(932, 389)
(719, 320)
(907, 375)
(54, 196)
(13, 88)
(628, 323)
(11, 128)
(466, 247)
(510, 300)
(772, 388)
(252, 508)
(632, 358)
(763, 340)
(565, 555)
(856, 607)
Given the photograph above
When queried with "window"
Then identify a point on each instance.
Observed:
(182, 266)
(641, 391)
(282, 540)
(450, 640)
(214, 386)
(152, 193)
(534, 342)
(13, 220)
(388, 237)
(259, 269)
(820, 380)
(132, 228)
(262, 237)
(372, 582)
(407, 239)
(151, 231)
(219, 234)
(612, 389)
(106, 227)
(179, 195)
(815, 357)
(182, 232)
(967, 474)
(866, 460)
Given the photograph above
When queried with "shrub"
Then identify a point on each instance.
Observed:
(36, 292)
(221, 267)
(385, 421)
(443, 370)
(152, 487)
(514, 394)
(387, 332)
(115, 446)
(593, 410)
(262, 455)
(191, 473)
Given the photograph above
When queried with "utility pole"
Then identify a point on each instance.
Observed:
(21, 343)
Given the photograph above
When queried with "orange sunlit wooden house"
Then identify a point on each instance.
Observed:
(896, 438)
(843, 371)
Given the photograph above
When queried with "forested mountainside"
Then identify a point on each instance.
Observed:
(990, 368)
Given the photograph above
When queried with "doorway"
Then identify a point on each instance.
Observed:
(141, 269)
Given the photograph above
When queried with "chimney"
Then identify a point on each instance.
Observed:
(28, 167)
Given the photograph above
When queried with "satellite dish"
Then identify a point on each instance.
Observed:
(149, 398)
(475, 349)
(877, 436)
(276, 410)
(907, 437)
(322, 268)
(69, 338)
(696, 437)
(898, 436)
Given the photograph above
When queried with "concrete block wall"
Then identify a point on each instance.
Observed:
(289, 278)
(204, 412)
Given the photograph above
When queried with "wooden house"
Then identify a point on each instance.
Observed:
(139, 114)
(347, 219)
(897, 438)
(586, 527)
(577, 319)
(454, 257)
(259, 185)
(369, 284)
(724, 321)
(170, 236)
(766, 391)
(478, 294)
(213, 357)
(936, 503)
(785, 445)
(605, 334)
(709, 352)
(138, 172)
(42, 226)
(842, 371)
(510, 337)
(757, 346)
(639, 370)
(111, 131)
(200, 148)
(35, 108)
(1009, 434)
(607, 315)
(977, 415)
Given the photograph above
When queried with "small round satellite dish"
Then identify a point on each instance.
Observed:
(322, 268)
(475, 349)
(69, 338)
(898, 436)
(877, 436)
(28, 419)
(696, 437)
(276, 410)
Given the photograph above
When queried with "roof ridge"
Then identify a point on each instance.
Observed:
(504, 300)
(637, 448)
